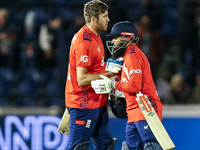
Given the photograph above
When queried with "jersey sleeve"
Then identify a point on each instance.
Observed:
(84, 57)
(131, 81)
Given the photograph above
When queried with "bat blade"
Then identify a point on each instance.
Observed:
(64, 123)
(154, 123)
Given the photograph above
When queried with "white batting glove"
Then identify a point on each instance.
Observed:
(119, 93)
(103, 86)
(113, 65)
(111, 82)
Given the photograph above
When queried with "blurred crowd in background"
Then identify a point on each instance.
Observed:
(35, 38)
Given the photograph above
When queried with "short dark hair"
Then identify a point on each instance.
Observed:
(94, 8)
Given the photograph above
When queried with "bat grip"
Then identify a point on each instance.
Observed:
(139, 94)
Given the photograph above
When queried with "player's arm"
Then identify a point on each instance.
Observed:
(84, 78)
(133, 71)
(133, 82)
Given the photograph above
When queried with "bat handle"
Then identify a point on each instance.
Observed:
(139, 94)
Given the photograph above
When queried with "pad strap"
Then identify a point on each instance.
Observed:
(152, 146)
(83, 145)
(125, 146)
(111, 146)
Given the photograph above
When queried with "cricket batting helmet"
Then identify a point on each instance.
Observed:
(123, 26)
(118, 106)
(129, 33)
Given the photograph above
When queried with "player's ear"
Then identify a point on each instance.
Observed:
(93, 19)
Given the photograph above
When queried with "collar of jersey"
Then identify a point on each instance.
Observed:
(130, 47)
(89, 31)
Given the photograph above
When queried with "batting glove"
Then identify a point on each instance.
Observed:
(113, 65)
(119, 93)
(103, 86)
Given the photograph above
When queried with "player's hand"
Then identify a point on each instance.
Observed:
(111, 82)
(103, 86)
(119, 93)
(113, 65)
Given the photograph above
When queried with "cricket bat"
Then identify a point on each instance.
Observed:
(154, 122)
(64, 123)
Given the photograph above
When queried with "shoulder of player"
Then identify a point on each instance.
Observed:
(82, 46)
(83, 39)
(133, 51)
(85, 35)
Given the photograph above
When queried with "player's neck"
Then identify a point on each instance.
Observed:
(92, 28)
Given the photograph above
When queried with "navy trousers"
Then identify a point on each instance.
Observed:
(86, 124)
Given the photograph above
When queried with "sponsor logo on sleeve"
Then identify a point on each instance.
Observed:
(132, 71)
(124, 80)
(84, 58)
